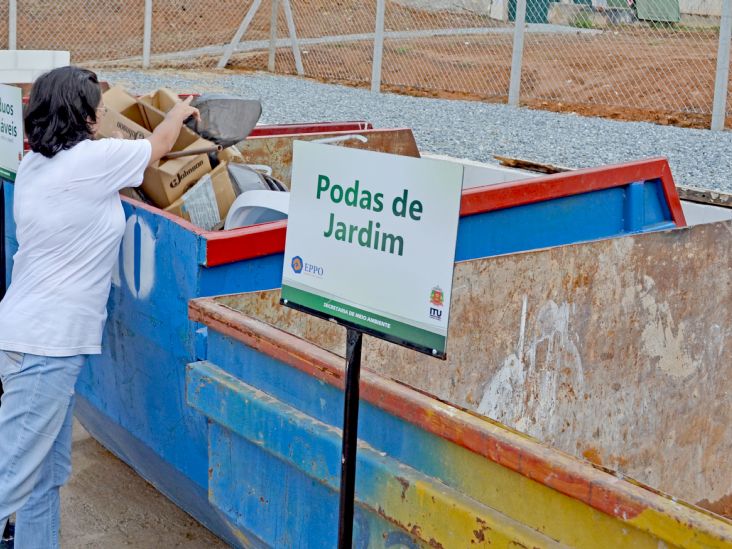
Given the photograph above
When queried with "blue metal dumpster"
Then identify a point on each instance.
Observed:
(132, 398)
(430, 474)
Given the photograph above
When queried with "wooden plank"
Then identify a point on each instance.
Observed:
(276, 151)
(705, 196)
(530, 165)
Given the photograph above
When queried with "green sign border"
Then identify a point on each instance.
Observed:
(7, 174)
(397, 331)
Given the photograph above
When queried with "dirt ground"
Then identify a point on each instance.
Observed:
(660, 75)
(667, 80)
(106, 505)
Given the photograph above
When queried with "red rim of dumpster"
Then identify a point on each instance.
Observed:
(224, 247)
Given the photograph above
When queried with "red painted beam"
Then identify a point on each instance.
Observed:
(518, 193)
(246, 243)
(268, 130)
(311, 127)
(224, 247)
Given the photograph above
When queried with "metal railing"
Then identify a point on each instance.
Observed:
(660, 60)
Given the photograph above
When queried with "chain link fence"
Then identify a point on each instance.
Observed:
(637, 59)
(614, 58)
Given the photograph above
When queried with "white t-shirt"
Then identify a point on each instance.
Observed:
(69, 224)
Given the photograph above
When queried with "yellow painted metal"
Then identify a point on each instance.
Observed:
(443, 517)
(570, 521)
(680, 534)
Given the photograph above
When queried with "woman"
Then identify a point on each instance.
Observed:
(69, 222)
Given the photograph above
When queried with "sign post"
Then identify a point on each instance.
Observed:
(354, 338)
(371, 246)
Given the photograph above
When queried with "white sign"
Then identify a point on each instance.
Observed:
(371, 241)
(11, 130)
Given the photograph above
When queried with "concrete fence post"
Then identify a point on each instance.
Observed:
(13, 24)
(514, 87)
(378, 46)
(147, 35)
(721, 79)
(273, 36)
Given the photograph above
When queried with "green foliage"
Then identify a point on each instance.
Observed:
(582, 21)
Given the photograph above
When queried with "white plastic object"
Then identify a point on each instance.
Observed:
(253, 207)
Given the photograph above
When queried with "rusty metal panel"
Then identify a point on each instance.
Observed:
(276, 151)
(617, 351)
(265, 306)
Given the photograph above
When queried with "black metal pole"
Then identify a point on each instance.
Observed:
(354, 339)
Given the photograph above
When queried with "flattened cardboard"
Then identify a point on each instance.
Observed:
(218, 198)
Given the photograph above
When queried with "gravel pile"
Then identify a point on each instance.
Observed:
(467, 129)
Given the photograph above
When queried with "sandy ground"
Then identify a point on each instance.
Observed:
(106, 505)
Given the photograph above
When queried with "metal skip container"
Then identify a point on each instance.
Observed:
(133, 397)
(612, 355)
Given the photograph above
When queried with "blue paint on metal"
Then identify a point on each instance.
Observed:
(315, 398)
(201, 335)
(283, 508)
(179, 488)
(138, 383)
(635, 209)
(577, 218)
(149, 339)
(254, 431)
(138, 239)
(415, 447)
(656, 211)
(262, 273)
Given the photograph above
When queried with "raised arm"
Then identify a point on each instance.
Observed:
(165, 135)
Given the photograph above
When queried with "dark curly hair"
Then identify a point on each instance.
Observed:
(62, 109)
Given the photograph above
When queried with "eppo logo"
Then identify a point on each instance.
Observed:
(301, 267)
(297, 264)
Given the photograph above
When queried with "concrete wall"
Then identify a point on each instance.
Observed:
(701, 7)
(21, 66)
(498, 9)
(480, 7)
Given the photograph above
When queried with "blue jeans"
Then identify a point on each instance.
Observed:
(35, 443)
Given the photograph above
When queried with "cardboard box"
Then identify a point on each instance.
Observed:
(125, 117)
(134, 193)
(231, 154)
(167, 180)
(208, 201)
(162, 99)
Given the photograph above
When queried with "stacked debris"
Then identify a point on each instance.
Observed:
(205, 173)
